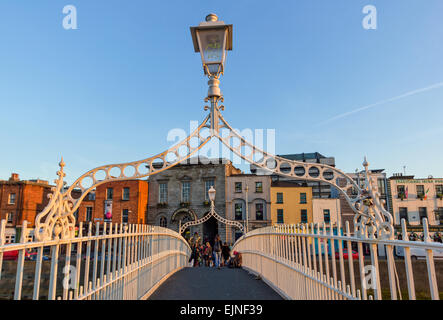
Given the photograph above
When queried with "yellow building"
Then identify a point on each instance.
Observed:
(290, 204)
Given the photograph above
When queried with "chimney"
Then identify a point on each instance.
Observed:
(14, 177)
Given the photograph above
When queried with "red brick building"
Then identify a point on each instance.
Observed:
(124, 202)
(21, 200)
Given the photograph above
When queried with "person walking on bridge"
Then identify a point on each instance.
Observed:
(226, 254)
(207, 255)
(217, 251)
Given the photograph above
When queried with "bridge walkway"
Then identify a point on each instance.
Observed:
(204, 283)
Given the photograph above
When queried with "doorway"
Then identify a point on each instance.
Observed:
(210, 229)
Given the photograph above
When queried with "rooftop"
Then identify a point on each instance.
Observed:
(303, 156)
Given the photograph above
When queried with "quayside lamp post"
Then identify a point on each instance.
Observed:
(212, 38)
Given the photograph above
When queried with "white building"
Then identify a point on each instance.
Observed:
(415, 199)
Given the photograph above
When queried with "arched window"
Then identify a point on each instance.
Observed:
(163, 222)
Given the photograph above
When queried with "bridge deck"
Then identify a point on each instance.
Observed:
(203, 283)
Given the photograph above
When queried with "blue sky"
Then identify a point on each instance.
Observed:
(110, 91)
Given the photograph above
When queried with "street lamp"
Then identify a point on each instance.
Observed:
(212, 39)
(211, 194)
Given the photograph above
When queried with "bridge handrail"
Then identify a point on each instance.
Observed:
(307, 261)
(120, 261)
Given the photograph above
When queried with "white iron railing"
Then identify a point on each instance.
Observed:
(309, 262)
(107, 262)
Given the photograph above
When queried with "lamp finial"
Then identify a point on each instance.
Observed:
(211, 17)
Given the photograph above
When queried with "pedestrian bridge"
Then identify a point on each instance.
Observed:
(290, 261)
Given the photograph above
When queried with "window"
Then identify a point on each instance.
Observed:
(186, 188)
(440, 215)
(302, 197)
(279, 197)
(382, 186)
(259, 187)
(9, 218)
(259, 211)
(304, 216)
(238, 187)
(125, 216)
(10, 238)
(163, 193)
(401, 190)
(354, 189)
(109, 193)
(238, 211)
(326, 215)
(420, 190)
(11, 199)
(125, 194)
(163, 222)
(88, 214)
(280, 218)
(91, 196)
(422, 212)
(208, 185)
(403, 214)
(439, 189)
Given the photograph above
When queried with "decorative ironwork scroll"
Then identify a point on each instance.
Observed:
(371, 218)
(57, 219)
(214, 214)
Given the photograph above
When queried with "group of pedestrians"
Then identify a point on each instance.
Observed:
(203, 254)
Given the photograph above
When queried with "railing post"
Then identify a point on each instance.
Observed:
(2, 243)
(408, 264)
(20, 263)
(433, 287)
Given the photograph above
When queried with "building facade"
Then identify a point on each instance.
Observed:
(326, 211)
(252, 191)
(21, 200)
(117, 202)
(320, 190)
(290, 203)
(180, 194)
(415, 199)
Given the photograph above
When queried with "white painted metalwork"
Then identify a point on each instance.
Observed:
(299, 261)
(371, 216)
(117, 262)
(212, 213)
(57, 219)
